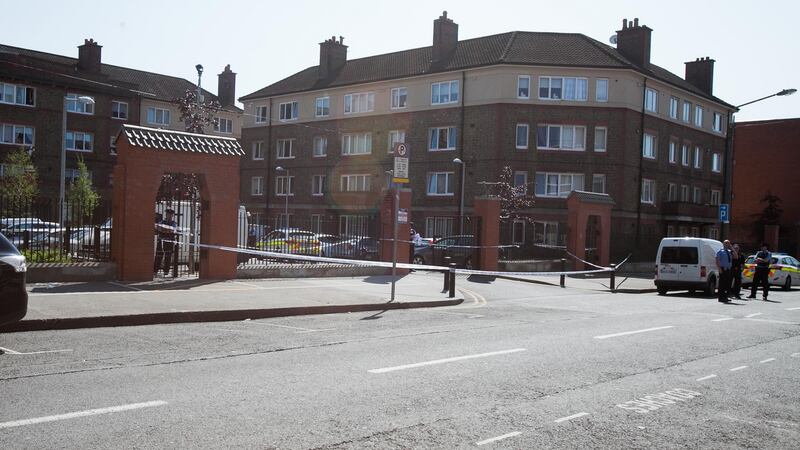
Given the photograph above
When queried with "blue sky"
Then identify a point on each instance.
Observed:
(755, 44)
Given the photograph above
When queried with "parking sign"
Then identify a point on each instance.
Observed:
(724, 213)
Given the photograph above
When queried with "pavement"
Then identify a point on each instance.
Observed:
(59, 306)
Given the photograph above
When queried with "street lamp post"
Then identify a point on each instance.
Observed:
(62, 210)
(461, 203)
(199, 68)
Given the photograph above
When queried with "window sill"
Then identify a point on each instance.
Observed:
(356, 154)
(285, 157)
(119, 118)
(441, 149)
(320, 156)
(553, 149)
(79, 151)
(439, 195)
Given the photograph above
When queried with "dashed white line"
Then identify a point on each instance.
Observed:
(753, 315)
(499, 438)
(793, 309)
(574, 416)
(606, 336)
(722, 319)
(735, 369)
(795, 355)
(73, 415)
(707, 377)
(766, 360)
(446, 360)
(14, 352)
(267, 324)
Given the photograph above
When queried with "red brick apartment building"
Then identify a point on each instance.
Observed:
(766, 154)
(37, 89)
(564, 111)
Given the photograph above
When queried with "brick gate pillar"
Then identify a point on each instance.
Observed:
(387, 228)
(580, 206)
(488, 209)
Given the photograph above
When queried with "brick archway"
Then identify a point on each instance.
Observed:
(580, 207)
(144, 156)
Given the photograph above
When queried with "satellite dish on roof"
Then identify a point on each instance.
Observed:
(613, 39)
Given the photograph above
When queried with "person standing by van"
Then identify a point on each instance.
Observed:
(762, 272)
(724, 264)
(736, 271)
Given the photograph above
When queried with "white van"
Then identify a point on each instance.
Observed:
(687, 263)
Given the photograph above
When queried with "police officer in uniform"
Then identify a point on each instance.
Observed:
(165, 232)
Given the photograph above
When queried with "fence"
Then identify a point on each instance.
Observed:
(454, 237)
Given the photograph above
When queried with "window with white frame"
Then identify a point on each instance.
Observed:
(518, 232)
(716, 162)
(599, 183)
(257, 186)
(262, 114)
(80, 141)
(684, 193)
(563, 88)
(557, 184)
(444, 92)
(223, 125)
(717, 124)
(258, 150)
(524, 87)
(316, 223)
(438, 226)
(72, 175)
(546, 233)
(697, 196)
(648, 191)
(322, 107)
(698, 116)
(561, 137)
(395, 137)
(359, 102)
(651, 100)
(601, 90)
(16, 134)
(673, 152)
(522, 135)
(713, 233)
(157, 116)
(16, 94)
(687, 112)
(600, 137)
(698, 157)
(520, 183)
(318, 185)
(285, 148)
(399, 98)
(440, 183)
(119, 110)
(354, 225)
(320, 146)
(284, 186)
(357, 144)
(649, 147)
(714, 197)
(288, 111)
(673, 108)
(75, 105)
(355, 183)
(442, 138)
(685, 155)
(672, 192)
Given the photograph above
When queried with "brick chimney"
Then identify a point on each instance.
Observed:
(226, 87)
(445, 38)
(89, 56)
(700, 73)
(332, 57)
(633, 41)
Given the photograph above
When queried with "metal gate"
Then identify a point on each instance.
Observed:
(181, 193)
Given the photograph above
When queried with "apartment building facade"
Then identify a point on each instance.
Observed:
(37, 89)
(563, 111)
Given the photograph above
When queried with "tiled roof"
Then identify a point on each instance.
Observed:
(158, 139)
(518, 47)
(592, 197)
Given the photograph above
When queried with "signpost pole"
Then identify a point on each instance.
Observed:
(394, 241)
(399, 176)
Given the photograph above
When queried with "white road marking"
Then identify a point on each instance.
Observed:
(773, 321)
(766, 360)
(446, 360)
(73, 415)
(499, 438)
(753, 315)
(793, 309)
(124, 286)
(9, 351)
(795, 355)
(722, 319)
(738, 368)
(606, 336)
(13, 352)
(707, 377)
(266, 324)
(574, 416)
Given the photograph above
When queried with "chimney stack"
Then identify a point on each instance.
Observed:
(332, 57)
(226, 86)
(633, 42)
(89, 56)
(445, 38)
(700, 74)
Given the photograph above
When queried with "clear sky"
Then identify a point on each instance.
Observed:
(755, 44)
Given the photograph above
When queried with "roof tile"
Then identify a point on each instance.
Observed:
(156, 138)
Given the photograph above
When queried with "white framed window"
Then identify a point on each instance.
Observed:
(442, 138)
(561, 137)
(673, 108)
(16, 94)
(119, 110)
(440, 183)
(649, 148)
(284, 186)
(697, 196)
(318, 185)
(359, 102)
(685, 155)
(80, 107)
(715, 197)
(285, 148)
(684, 193)
(600, 137)
(698, 116)
(651, 100)
(716, 162)
(357, 144)
(557, 184)
(157, 116)
(17, 134)
(320, 146)
(395, 136)
(257, 186)
(72, 175)
(522, 136)
(672, 192)
(673, 152)
(223, 125)
(80, 141)
(399, 98)
(698, 157)
(438, 226)
(520, 183)
(687, 112)
(355, 183)
(258, 150)
(262, 114)
(601, 90)
(322, 107)
(524, 87)
(599, 183)
(518, 232)
(717, 123)
(648, 191)
(354, 225)
(289, 111)
(563, 88)
(444, 92)
(546, 233)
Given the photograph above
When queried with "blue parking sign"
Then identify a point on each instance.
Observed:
(724, 213)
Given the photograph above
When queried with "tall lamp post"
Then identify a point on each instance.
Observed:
(285, 196)
(84, 100)
(461, 203)
(199, 68)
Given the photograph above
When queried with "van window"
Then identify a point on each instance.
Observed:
(679, 255)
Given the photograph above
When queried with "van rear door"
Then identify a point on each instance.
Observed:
(679, 262)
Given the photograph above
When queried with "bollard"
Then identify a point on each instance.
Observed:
(446, 286)
(563, 269)
(613, 277)
(452, 280)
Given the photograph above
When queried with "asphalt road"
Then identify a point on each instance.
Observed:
(515, 366)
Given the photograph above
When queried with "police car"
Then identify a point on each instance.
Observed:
(783, 270)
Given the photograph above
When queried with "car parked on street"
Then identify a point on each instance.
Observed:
(354, 248)
(292, 240)
(784, 270)
(13, 296)
(461, 250)
(687, 263)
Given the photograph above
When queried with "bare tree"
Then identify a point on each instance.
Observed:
(514, 199)
(197, 115)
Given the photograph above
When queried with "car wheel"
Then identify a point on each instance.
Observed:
(662, 291)
(711, 287)
(418, 260)
(787, 285)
